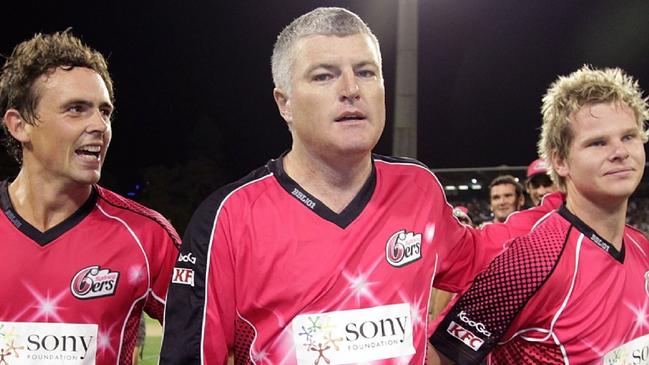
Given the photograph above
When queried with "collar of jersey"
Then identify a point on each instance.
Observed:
(43, 238)
(591, 234)
(342, 219)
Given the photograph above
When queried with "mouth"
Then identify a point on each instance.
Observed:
(350, 116)
(89, 152)
(619, 172)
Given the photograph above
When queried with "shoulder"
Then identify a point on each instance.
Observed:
(548, 235)
(639, 236)
(399, 164)
(405, 170)
(132, 213)
(239, 193)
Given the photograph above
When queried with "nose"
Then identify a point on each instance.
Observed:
(620, 151)
(98, 123)
(349, 89)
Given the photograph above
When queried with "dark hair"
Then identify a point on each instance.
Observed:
(507, 179)
(39, 56)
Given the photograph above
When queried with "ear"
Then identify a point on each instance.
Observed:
(283, 104)
(560, 165)
(16, 125)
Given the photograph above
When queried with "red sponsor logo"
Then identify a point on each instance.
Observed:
(183, 276)
(464, 335)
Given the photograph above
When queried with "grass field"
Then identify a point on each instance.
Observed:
(152, 342)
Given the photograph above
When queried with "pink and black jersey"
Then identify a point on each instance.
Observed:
(560, 295)
(269, 271)
(75, 293)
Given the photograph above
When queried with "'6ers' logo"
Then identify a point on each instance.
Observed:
(94, 282)
(403, 248)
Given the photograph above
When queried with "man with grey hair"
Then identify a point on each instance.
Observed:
(575, 290)
(325, 255)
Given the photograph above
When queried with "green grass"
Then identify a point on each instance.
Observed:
(151, 342)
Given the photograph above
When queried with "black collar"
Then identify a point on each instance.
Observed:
(342, 219)
(43, 238)
(592, 235)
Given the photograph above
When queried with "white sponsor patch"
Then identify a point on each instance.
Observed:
(353, 336)
(183, 276)
(31, 343)
(464, 335)
(634, 352)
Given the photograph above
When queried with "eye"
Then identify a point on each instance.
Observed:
(596, 143)
(366, 73)
(629, 136)
(322, 77)
(106, 113)
(77, 108)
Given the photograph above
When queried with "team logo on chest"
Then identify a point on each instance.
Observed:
(403, 248)
(94, 282)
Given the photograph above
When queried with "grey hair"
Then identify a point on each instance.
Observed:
(320, 21)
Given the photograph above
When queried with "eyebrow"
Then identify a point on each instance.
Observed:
(332, 67)
(86, 103)
(633, 130)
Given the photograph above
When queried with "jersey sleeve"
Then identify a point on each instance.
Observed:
(164, 251)
(485, 312)
(199, 324)
(467, 251)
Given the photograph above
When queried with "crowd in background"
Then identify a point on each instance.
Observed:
(479, 212)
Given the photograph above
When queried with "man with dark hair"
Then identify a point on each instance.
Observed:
(538, 182)
(505, 197)
(327, 254)
(81, 262)
(575, 290)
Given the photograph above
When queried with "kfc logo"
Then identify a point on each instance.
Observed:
(464, 335)
(183, 276)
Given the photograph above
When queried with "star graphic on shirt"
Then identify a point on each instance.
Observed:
(46, 306)
(136, 274)
(359, 285)
(103, 341)
(429, 233)
(260, 356)
(640, 314)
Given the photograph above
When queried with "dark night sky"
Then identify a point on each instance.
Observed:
(193, 77)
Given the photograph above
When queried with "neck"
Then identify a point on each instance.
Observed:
(606, 219)
(334, 181)
(44, 204)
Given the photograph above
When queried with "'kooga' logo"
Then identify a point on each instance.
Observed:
(187, 258)
(464, 335)
(479, 326)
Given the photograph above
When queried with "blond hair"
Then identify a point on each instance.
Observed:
(569, 93)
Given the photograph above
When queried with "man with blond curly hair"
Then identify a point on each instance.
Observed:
(576, 289)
